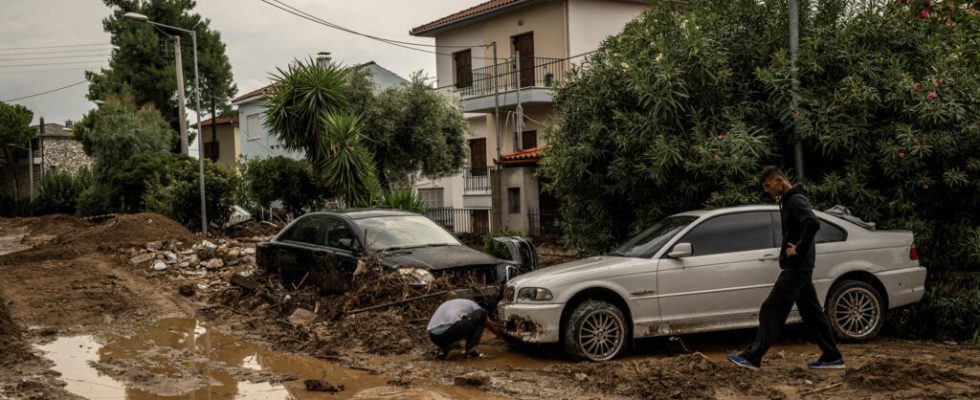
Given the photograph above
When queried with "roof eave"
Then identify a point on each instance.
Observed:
(449, 25)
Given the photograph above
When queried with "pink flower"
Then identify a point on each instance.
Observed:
(916, 86)
(901, 155)
(924, 13)
(939, 82)
(932, 96)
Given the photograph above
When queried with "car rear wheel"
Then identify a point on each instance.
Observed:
(595, 331)
(855, 311)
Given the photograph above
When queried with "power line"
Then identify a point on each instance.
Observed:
(2, 58)
(46, 92)
(34, 71)
(330, 25)
(41, 53)
(45, 64)
(56, 47)
(386, 40)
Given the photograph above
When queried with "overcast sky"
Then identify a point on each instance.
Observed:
(258, 39)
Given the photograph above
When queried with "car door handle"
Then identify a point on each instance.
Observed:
(768, 257)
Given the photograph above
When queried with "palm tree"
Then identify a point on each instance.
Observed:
(348, 166)
(306, 109)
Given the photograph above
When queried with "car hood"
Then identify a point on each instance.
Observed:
(440, 258)
(570, 270)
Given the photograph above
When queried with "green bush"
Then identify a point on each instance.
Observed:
(402, 199)
(292, 182)
(58, 194)
(948, 310)
(182, 199)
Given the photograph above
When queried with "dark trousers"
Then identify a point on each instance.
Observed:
(794, 285)
(469, 328)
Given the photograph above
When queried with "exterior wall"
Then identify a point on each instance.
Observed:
(228, 144)
(63, 154)
(546, 20)
(264, 145)
(535, 119)
(523, 178)
(592, 21)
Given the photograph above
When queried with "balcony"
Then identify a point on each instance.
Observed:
(476, 180)
(536, 83)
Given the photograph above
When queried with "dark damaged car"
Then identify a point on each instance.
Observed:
(324, 248)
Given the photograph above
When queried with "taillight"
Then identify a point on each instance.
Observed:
(913, 255)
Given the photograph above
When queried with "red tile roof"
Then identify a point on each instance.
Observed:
(490, 6)
(221, 121)
(522, 157)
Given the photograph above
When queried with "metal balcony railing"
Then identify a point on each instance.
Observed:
(547, 72)
(476, 180)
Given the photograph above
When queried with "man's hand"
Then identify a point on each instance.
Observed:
(494, 327)
(790, 250)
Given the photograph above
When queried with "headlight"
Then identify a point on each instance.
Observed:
(417, 276)
(534, 294)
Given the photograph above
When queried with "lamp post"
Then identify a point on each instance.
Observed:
(197, 105)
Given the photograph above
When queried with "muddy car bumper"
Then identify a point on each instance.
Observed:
(904, 286)
(531, 323)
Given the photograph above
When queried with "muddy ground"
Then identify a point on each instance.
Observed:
(72, 290)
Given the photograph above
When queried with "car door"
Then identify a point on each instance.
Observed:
(338, 259)
(724, 281)
(295, 249)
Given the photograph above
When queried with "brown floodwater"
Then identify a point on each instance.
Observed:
(178, 358)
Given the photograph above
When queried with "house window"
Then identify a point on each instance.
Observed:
(529, 140)
(464, 68)
(514, 200)
(431, 197)
(254, 125)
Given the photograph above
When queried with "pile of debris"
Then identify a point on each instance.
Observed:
(384, 311)
(209, 264)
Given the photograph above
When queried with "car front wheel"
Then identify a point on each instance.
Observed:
(595, 331)
(855, 311)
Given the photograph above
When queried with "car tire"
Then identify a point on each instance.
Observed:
(595, 331)
(855, 311)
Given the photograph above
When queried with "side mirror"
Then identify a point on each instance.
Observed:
(681, 250)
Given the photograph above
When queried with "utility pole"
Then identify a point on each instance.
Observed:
(496, 97)
(519, 112)
(794, 44)
(496, 198)
(30, 159)
(181, 105)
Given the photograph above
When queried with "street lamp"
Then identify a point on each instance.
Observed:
(197, 105)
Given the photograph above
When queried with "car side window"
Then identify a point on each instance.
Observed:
(308, 230)
(828, 232)
(730, 233)
(339, 235)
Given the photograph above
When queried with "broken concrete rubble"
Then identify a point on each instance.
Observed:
(141, 259)
(301, 317)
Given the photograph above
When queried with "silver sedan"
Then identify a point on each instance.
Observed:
(709, 270)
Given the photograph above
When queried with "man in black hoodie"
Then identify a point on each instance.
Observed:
(795, 283)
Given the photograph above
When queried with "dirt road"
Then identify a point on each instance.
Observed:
(80, 318)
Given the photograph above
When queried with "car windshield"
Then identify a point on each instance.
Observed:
(647, 243)
(403, 232)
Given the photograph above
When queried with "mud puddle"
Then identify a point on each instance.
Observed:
(178, 358)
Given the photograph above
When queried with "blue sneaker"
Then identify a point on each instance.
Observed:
(737, 359)
(835, 364)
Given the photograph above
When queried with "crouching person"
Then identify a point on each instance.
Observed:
(459, 319)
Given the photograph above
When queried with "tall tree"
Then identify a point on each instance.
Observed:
(119, 130)
(143, 60)
(15, 134)
(409, 129)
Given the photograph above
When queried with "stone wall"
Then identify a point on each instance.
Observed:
(64, 154)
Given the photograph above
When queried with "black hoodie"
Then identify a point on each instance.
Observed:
(800, 226)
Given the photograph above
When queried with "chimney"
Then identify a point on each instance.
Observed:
(323, 58)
